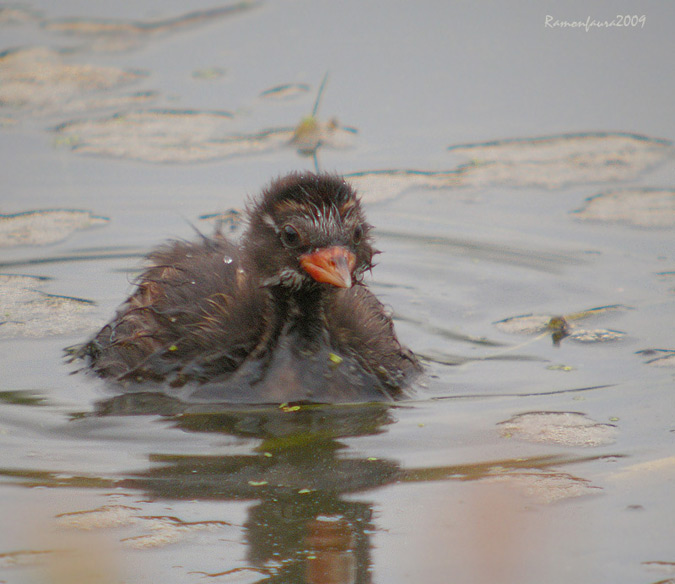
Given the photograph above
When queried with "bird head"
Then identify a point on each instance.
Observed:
(308, 230)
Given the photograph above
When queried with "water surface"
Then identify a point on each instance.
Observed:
(525, 456)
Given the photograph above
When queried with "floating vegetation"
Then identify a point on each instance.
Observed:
(560, 367)
(547, 487)
(37, 78)
(158, 531)
(560, 327)
(547, 162)
(45, 226)
(379, 185)
(208, 73)
(638, 207)
(165, 531)
(659, 357)
(311, 133)
(150, 135)
(105, 517)
(27, 311)
(564, 428)
(662, 568)
(307, 137)
(286, 91)
(187, 136)
(23, 558)
(596, 336)
(109, 102)
(556, 161)
(16, 14)
(121, 35)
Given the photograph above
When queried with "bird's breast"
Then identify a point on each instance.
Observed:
(293, 372)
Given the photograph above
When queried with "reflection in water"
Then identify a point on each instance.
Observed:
(330, 543)
(305, 524)
(301, 529)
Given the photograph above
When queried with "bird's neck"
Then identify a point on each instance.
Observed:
(300, 315)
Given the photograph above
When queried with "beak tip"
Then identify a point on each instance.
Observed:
(332, 265)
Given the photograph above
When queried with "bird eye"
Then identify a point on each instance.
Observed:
(358, 234)
(290, 236)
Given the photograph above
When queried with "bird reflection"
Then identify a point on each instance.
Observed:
(302, 529)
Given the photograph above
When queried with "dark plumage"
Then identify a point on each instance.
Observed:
(283, 316)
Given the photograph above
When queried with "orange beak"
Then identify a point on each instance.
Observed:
(332, 265)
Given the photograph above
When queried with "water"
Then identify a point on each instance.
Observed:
(111, 488)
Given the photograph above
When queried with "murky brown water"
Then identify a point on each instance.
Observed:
(532, 264)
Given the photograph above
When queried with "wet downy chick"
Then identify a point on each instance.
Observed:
(308, 230)
(284, 316)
